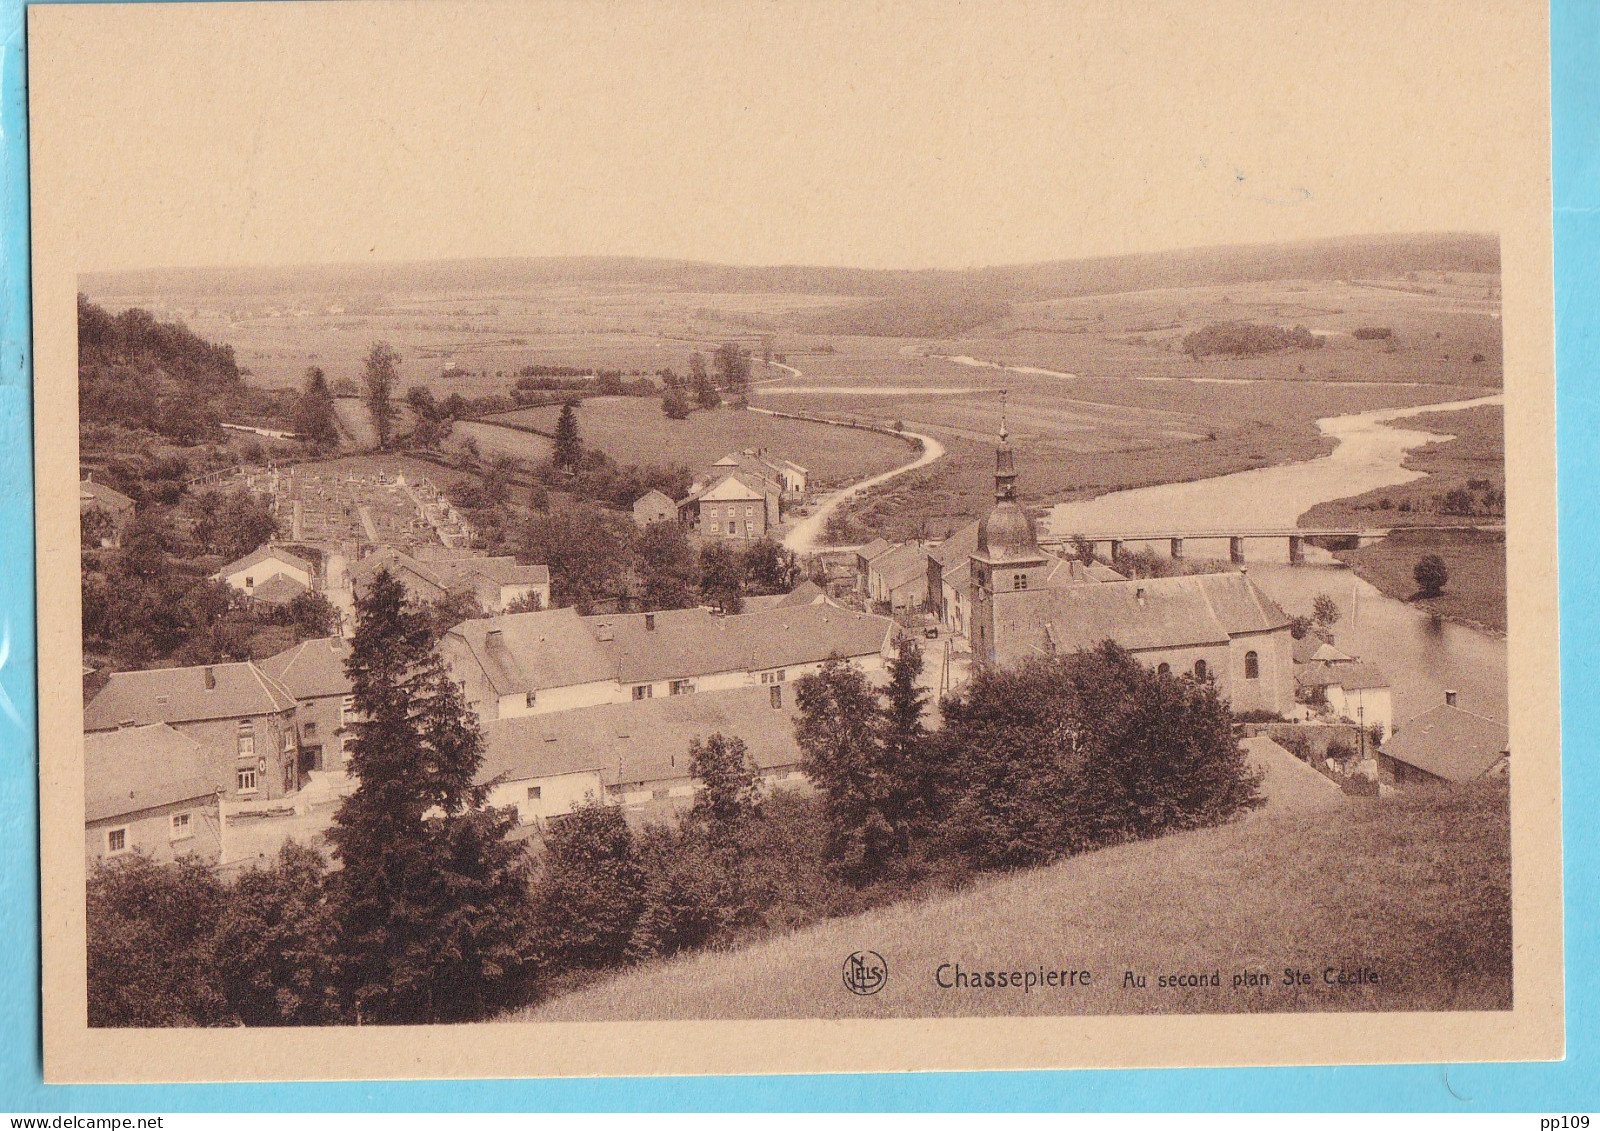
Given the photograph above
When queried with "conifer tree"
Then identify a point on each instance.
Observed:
(568, 448)
(433, 900)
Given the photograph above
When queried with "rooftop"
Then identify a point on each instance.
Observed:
(265, 553)
(312, 669)
(137, 768)
(181, 695)
(1450, 743)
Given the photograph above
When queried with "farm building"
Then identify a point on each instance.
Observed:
(257, 568)
(1446, 744)
(551, 661)
(788, 477)
(653, 507)
(1352, 690)
(243, 717)
(864, 557)
(152, 790)
(898, 577)
(632, 753)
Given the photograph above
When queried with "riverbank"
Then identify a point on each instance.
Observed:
(1476, 593)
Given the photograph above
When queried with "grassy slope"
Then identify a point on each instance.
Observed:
(1476, 594)
(1416, 887)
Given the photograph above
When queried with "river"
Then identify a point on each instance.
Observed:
(1423, 656)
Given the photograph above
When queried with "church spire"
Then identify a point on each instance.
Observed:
(1005, 470)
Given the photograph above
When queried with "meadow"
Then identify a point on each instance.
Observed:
(633, 430)
(1476, 592)
(1415, 889)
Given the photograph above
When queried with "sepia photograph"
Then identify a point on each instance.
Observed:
(607, 513)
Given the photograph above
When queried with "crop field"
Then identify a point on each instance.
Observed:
(633, 430)
(1415, 889)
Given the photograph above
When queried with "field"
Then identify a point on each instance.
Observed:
(1414, 888)
(1476, 593)
(1103, 394)
(633, 430)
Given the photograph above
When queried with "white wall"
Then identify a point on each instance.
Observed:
(552, 699)
(263, 572)
(558, 794)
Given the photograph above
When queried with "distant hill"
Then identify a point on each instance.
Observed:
(1346, 257)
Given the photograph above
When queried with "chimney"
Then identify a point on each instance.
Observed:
(649, 622)
(494, 638)
(1139, 593)
(211, 679)
(1449, 698)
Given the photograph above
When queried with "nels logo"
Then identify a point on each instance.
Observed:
(865, 972)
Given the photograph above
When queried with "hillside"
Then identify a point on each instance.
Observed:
(1415, 888)
(1313, 259)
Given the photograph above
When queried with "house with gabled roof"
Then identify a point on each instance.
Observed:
(652, 507)
(243, 716)
(152, 790)
(633, 754)
(736, 505)
(260, 566)
(1446, 744)
(494, 581)
(539, 663)
(898, 578)
(117, 507)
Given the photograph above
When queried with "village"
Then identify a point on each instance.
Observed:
(227, 761)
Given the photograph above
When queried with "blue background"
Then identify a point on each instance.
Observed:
(1572, 1085)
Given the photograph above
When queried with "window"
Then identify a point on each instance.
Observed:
(749, 512)
(247, 740)
(181, 828)
(1163, 669)
(1200, 669)
(535, 792)
(660, 794)
(116, 841)
(1252, 666)
(714, 528)
(288, 741)
(644, 691)
(247, 779)
(311, 730)
(680, 687)
(1019, 581)
(775, 692)
(775, 677)
(530, 700)
(249, 582)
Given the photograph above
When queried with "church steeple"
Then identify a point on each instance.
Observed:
(1005, 468)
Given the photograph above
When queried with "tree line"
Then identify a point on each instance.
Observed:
(436, 914)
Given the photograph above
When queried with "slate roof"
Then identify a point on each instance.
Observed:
(1352, 675)
(1167, 612)
(255, 557)
(872, 549)
(1450, 743)
(808, 592)
(692, 642)
(280, 589)
(179, 695)
(644, 741)
(901, 565)
(532, 651)
(312, 669)
(100, 495)
(558, 648)
(136, 768)
(957, 548)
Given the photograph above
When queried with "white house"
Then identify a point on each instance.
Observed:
(257, 568)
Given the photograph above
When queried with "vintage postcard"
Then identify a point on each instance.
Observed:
(602, 537)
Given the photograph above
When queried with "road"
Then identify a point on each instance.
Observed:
(804, 537)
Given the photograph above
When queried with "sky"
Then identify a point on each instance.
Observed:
(926, 134)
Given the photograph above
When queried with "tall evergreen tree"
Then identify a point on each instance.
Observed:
(912, 776)
(381, 372)
(314, 417)
(433, 899)
(568, 451)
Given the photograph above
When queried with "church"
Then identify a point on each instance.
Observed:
(1217, 626)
